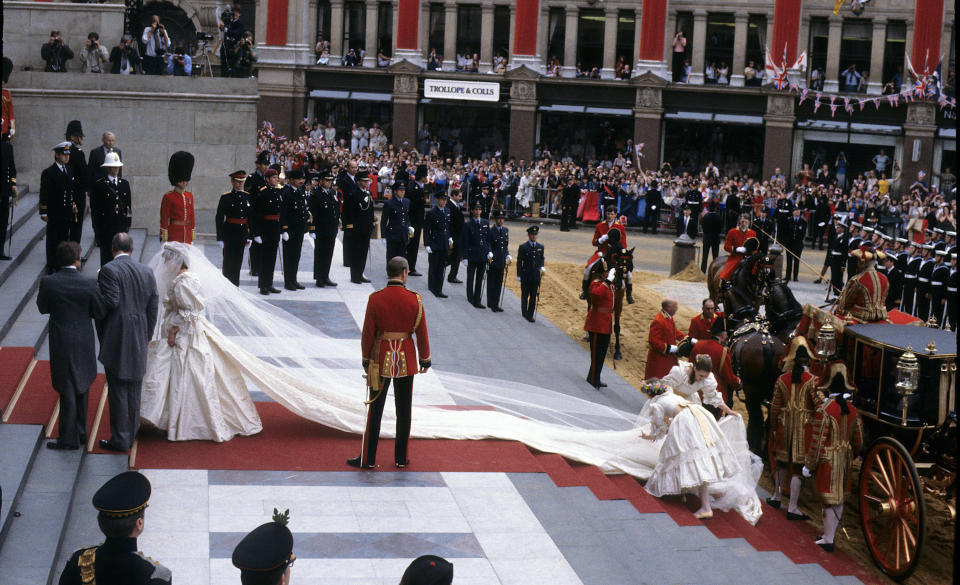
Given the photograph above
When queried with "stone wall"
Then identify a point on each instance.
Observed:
(27, 26)
(152, 117)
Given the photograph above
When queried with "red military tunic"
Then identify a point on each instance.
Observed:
(722, 364)
(700, 327)
(836, 440)
(393, 315)
(603, 229)
(736, 238)
(792, 408)
(8, 119)
(663, 334)
(600, 314)
(177, 221)
(864, 298)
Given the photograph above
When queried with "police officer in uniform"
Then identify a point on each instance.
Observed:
(121, 503)
(837, 251)
(795, 232)
(456, 233)
(265, 225)
(784, 211)
(938, 286)
(295, 218)
(395, 219)
(233, 226)
(530, 269)
(911, 274)
(475, 247)
(254, 186)
(110, 206)
(437, 240)
(265, 555)
(358, 224)
(570, 200)
(324, 205)
(499, 256)
(895, 280)
(78, 163)
(763, 226)
(924, 291)
(58, 208)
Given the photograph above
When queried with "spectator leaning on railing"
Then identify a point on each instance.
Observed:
(94, 55)
(56, 53)
(125, 57)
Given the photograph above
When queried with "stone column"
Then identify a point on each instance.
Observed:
(609, 42)
(699, 46)
(486, 37)
(336, 30)
(778, 133)
(647, 122)
(370, 35)
(877, 49)
(832, 83)
(572, 15)
(513, 29)
(918, 136)
(311, 26)
(739, 48)
(523, 118)
(450, 36)
(907, 78)
(637, 28)
(543, 29)
(405, 89)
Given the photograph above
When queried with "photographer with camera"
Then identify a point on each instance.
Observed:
(94, 55)
(180, 64)
(157, 43)
(679, 44)
(244, 56)
(232, 31)
(125, 57)
(56, 53)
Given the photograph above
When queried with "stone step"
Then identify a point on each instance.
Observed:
(19, 448)
(28, 231)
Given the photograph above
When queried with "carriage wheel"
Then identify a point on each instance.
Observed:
(891, 508)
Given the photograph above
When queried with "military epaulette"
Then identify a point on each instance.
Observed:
(160, 572)
(227, 193)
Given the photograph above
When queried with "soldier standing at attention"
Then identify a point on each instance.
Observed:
(265, 225)
(358, 225)
(121, 503)
(456, 233)
(924, 294)
(437, 241)
(295, 218)
(177, 220)
(255, 184)
(265, 555)
(763, 226)
(837, 257)
(418, 208)
(233, 226)
(938, 287)
(911, 274)
(895, 280)
(530, 269)
(395, 219)
(475, 248)
(57, 206)
(796, 231)
(325, 211)
(599, 323)
(394, 314)
(499, 255)
(570, 200)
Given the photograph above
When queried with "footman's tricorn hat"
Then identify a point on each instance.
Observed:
(180, 167)
(123, 495)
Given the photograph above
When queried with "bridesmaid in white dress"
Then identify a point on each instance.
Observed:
(190, 390)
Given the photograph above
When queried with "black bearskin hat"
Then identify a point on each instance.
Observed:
(180, 167)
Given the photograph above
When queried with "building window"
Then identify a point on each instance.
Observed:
(556, 31)
(501, 31)
(385, 28)
(817, 55)
(625, 31)
(468, 30)
(435, 34)
(323, 21)
(718, 54)
(756, 41)
(590, 42)
(893, 53)
(354, 26)
(855, 46)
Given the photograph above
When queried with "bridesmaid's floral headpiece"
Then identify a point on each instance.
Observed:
(654, 387)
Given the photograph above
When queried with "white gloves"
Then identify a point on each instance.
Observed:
(313, 236)
(543, 269)
(219, 243)
(518, 279)
(465, 262)
(489, 255)
(509, 258)
(741, 249)
(450, 241)
(284, 236)
(694, 340)
(672, 349)
(429, 251)
(611, 275)
(248, 242)
(258, 239)
(806, 472)
(603, 238)
(411, 230)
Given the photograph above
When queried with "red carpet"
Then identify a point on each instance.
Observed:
(38, 399)
(15, 361)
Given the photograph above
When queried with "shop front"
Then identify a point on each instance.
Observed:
(459, 117)
(584, 133)
(822, 142)
(733, 142)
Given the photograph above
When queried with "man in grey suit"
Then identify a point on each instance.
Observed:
(129, 294)
(72, 301)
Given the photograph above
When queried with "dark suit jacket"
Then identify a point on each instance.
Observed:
(56, 194)
(72, 300)
(691, 229)
(129, 293)
(97, 156)
(712, 226)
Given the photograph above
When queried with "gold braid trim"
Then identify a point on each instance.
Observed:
(88, 566)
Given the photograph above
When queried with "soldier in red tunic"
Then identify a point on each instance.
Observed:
(662, 341)
(394, 314)
(610, 234)
(177, 223)
(864, 297)
(8, 124)
(599, 323)
(701, 325)
(735, 245)
(795, 399)
(837, 439)
(714, 345)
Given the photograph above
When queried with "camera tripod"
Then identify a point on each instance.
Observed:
(204, 66)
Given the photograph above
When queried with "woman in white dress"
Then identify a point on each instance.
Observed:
(690, 380)
(187, 390)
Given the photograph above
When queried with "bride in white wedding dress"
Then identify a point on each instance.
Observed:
(256, 346)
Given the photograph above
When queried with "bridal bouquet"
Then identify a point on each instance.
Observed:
(654, 387)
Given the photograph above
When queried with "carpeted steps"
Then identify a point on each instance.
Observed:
(16, 361)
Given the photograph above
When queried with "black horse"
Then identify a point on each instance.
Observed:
(622, 262)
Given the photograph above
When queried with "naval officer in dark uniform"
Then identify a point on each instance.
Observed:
(265, 555)
(325, 213)
(233, 226)
(58, 209)
(121, 503)
(395, 219)
(294, 219)
(530, 271)
(358, 225)
(499, 255)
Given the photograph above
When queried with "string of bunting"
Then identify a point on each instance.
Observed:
(849, 104)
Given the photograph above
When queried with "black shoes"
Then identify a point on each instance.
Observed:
(454, 281)
(355, 462)
(440, 295)
(364, 279)
(401, 465)
(414, 273)
(356, 281)
(290, 287)
(329, 282)
(275, 291)
(775, 504)
(320, 284)
(496, 309)
(58, 446)
(796, 517)
(265, 292)
(5, 257)
(818, 281)
(299, 286)
(105, 444)
(479, 305)
(531, 319)
(827, 546)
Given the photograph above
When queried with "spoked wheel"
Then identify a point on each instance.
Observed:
(891, 508)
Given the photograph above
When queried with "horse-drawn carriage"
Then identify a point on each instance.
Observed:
(905, 377)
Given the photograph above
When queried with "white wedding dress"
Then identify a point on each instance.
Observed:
(256, 346)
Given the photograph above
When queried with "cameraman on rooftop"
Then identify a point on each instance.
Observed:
(232, 29)
(157, 43)
(56, 53)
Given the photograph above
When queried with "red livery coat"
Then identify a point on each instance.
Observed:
(735, 239)
(603, 229)
(791, 410)
(663, 334)
(864, 297)
(700, 327)
(177, 221)
(722, 364)
(836, 440)
(393, 315)
(600, 315)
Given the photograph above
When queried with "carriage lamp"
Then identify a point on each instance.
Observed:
(826, 342)
(908, 377)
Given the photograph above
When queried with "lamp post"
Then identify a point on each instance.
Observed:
(908, 377)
